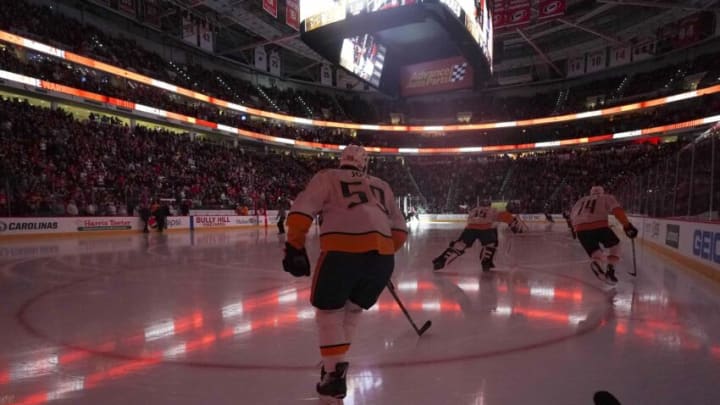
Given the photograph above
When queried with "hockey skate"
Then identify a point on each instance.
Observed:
(610, 274)
(597, 270)
(487, 254)
(332, 385)
(487, 266)
(448, 256)
(439, 262)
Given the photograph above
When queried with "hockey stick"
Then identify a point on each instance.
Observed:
(425, 326)
(634, 272)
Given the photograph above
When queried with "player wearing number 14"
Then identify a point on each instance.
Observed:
(589, 218)
(360, 231)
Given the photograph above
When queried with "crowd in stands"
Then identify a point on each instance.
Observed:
(55, 164)
(42, 23)
(49, 68)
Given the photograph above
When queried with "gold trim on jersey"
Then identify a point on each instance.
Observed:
(357, 243)
(592, 225)
(334, 350)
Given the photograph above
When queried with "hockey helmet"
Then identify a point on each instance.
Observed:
(595, 190)
(354, 156)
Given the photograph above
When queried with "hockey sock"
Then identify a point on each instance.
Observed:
(598, 256)
(352, 316)
(614, 254)
(331, 336)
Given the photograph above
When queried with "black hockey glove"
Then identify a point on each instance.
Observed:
(630, 231)
(296, 261)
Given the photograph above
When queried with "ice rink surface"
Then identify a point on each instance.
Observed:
(210, 318)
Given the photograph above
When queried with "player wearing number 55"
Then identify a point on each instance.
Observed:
(589, 217)
(360, 231)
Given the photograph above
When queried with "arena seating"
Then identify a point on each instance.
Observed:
(42, 23)
(52, 161)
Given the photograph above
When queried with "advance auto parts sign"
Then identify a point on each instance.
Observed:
(436, 76)
(27, 226)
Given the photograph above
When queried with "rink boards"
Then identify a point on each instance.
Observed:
(697, 244)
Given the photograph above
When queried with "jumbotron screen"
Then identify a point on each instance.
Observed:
(364, 57)
(474, 14)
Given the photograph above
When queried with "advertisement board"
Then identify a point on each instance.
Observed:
(436, 76)
(34, 226)
(223, 221)
(697, 241)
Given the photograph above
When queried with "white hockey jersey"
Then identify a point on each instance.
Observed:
(592, 211)
(358, 213)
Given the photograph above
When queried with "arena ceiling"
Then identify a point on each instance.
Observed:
(241, 25)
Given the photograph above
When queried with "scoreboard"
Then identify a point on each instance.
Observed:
(366, 36)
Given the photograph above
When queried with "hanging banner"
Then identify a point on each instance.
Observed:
(436, 76)
(271, 7)
(189, 30)
(643, 49)
(127, 7)
(576, 66)
(596, 61)
(261, 58)
(498, 14)
(685, 32)
(619, 56)
(345, 80)
(518, 13)
(205, 37)
(325, 75)
(551, 8)
(292, 14)
(274, 63)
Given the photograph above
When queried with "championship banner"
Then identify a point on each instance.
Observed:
(551, 9)
(261, 58)
(643, 49)
(292, 14)
(325, 75)
(274, 63)
(127, 7)
(271, 7)
(685, 32)
(596, 61)
(189, 30)
(436, 76)
(619, 56)
(576, 66)
(205, 37)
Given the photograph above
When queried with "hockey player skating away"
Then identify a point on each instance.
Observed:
(360, 232)
(589, 218)
(481, 226)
